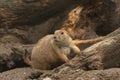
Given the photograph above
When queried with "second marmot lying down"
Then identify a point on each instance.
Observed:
(52, 50)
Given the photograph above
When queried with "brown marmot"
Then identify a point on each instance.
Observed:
(52, 50)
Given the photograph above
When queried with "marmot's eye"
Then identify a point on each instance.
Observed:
(62, 33)
(54, 37)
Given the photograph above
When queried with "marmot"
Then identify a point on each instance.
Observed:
(52, 50)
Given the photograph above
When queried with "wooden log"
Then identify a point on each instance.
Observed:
(102, 55)
(28, 12)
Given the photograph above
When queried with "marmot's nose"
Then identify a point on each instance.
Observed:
(56, 38)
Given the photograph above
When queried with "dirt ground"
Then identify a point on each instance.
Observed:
(25, 73)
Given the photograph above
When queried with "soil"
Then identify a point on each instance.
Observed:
(25, 73)
(16, 74)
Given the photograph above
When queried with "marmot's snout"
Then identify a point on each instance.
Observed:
(56, 39)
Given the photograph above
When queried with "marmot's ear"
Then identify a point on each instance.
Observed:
(67, 33)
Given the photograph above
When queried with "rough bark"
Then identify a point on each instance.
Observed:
(98, 16)
(25, 12)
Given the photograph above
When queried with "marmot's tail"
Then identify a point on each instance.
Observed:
(26, 58)
(24, 53)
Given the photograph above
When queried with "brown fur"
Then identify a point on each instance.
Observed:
(52, 50)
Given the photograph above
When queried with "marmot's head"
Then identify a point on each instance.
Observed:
(61, 37)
